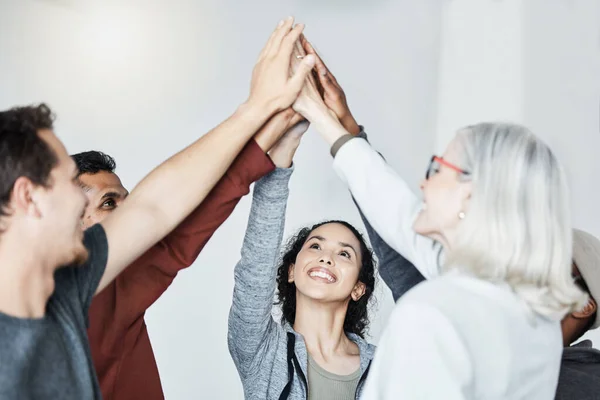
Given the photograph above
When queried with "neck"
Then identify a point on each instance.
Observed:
(27, 278)
(571, 328)
(322, 326)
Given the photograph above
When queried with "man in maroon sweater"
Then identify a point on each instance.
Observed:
(118, 336)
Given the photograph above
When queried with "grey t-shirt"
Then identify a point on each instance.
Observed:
(49, 357)
(323, 384)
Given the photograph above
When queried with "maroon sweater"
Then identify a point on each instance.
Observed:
(118, 336)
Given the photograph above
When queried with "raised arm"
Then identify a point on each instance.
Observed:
(146, 218)
(384, 198)
(397, 272)
(143, 282)
(250, 321)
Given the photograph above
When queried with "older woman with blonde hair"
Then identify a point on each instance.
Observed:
(493, 237)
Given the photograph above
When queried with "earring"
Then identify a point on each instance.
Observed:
(461, 215)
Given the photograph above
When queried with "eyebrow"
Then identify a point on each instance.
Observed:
(114, 194)
(343, 244)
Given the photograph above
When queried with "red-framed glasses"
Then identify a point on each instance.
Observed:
(434, 167)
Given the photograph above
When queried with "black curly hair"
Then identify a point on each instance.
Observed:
(357, 317)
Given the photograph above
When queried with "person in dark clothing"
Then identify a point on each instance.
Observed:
(121, 350)
(51, 268)
(580, 368)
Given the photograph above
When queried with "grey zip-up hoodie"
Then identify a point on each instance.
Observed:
(271, 359)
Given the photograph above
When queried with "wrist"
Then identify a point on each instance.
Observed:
(350, 124)
(282, 157)
(329, 127)
(253, 111)
(282, 160)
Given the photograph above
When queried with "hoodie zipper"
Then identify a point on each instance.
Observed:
(302, 377)
(361, 380)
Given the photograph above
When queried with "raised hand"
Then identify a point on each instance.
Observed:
(331, 91)
(272, 88)
(310, 100)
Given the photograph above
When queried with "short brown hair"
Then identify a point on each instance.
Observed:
(22, 151)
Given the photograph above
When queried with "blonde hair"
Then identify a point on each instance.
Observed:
(517, 227)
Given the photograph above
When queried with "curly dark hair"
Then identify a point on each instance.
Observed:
(22, 151)
(92, 162)
(357, 317)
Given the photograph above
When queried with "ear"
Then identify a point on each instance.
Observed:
(466, 188)
(587, 311)
(23, 197)
(291, 273)
(358, 291)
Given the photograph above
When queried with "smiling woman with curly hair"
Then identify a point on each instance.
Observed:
(357, 319)
(325, 280)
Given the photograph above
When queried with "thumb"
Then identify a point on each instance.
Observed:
(297, 81)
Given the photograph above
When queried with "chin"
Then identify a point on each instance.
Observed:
(420, 225)
(313, 293)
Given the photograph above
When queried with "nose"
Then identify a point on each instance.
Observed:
(326, 259)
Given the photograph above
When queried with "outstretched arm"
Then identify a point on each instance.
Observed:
(250, 321)
(146, 279)
(384, 198)
(397, 272)
(146, 218)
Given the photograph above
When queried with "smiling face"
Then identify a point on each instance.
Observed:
(328, 265)
(59, 208)
(104, 192)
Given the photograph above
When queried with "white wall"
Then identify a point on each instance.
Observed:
(141, 79)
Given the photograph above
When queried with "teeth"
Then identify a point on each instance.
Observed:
(322, 274)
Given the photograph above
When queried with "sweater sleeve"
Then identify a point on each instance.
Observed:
(387, 203)
(250, 322)
(424, 359)
(146, 279)
(396, 271)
